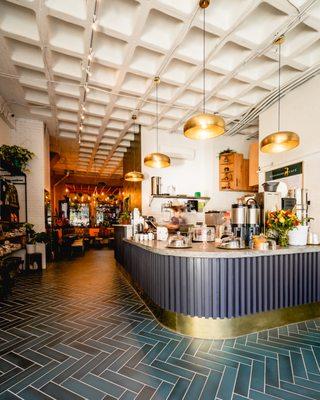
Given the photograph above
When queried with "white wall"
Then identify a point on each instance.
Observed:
(30, 134)
(188, 176)
(5, 133)
(300, 112)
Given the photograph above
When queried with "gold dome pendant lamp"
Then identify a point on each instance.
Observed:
(157, 160)
(280, 141)
(204, 125)
(134, 176)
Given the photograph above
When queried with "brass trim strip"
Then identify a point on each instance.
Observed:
(216, 328)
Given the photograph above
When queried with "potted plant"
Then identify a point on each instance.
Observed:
(280, 223)
(16, 156)
(30, 234)
(225, 152)
(125, 218)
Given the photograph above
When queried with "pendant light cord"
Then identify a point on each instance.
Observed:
(157, 116)
(204, 61)
(279, 86)
(134, 140)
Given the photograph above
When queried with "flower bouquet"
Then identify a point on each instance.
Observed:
(280, 223)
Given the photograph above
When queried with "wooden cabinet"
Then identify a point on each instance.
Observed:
(234, 173)
(254, 164)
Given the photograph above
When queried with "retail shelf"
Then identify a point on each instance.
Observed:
(178, 196)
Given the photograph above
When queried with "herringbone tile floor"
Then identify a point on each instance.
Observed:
(81, 332)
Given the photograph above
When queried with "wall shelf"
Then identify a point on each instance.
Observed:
(181, 197)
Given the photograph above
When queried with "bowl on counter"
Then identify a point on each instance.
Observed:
(179, 241)
(233, 244)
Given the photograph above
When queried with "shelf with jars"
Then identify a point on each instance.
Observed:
(234, 172)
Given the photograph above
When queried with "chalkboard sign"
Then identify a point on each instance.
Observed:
(284, 172)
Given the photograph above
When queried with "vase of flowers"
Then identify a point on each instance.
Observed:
(280, 223)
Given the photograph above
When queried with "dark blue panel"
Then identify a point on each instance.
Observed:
(224, 288)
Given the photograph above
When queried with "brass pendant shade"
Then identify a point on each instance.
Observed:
(204, 126)
(134, 176)
(279, 142)
(157, 160)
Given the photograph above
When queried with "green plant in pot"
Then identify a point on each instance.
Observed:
(125, 218)
(42, 237)
(30, 234)
(16, 156)
(225, 152)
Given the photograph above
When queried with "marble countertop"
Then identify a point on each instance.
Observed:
(210, 250)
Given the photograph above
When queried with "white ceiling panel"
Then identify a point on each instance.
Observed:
(85, 66)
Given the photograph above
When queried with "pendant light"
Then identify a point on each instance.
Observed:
(157, 160)
(204, 125)
(279, 141)
(134, 176)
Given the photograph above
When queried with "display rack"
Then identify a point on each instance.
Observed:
(17, 178)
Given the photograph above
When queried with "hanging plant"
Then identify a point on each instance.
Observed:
(16, 156)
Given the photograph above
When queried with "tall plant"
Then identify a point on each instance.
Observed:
(16, 156)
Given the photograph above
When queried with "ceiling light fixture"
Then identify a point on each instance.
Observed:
(134, 176)
(280, 141)
(157, 160)
(204, 125)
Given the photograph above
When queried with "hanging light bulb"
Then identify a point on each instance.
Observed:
(280, 141)
(204, 125)
(134, 176)
(157, 160)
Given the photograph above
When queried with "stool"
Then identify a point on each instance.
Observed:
(34, 262)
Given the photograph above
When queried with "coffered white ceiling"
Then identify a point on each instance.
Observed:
(52, 50)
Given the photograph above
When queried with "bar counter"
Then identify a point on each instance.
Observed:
(211, 293)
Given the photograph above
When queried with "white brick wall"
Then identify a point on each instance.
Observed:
(30, 134)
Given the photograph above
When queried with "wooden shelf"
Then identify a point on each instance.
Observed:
(182, 197)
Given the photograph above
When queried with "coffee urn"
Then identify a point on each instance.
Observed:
(238, 220)
(245, 220)
(252, 220)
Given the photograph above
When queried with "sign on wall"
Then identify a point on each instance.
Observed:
(292, 175)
